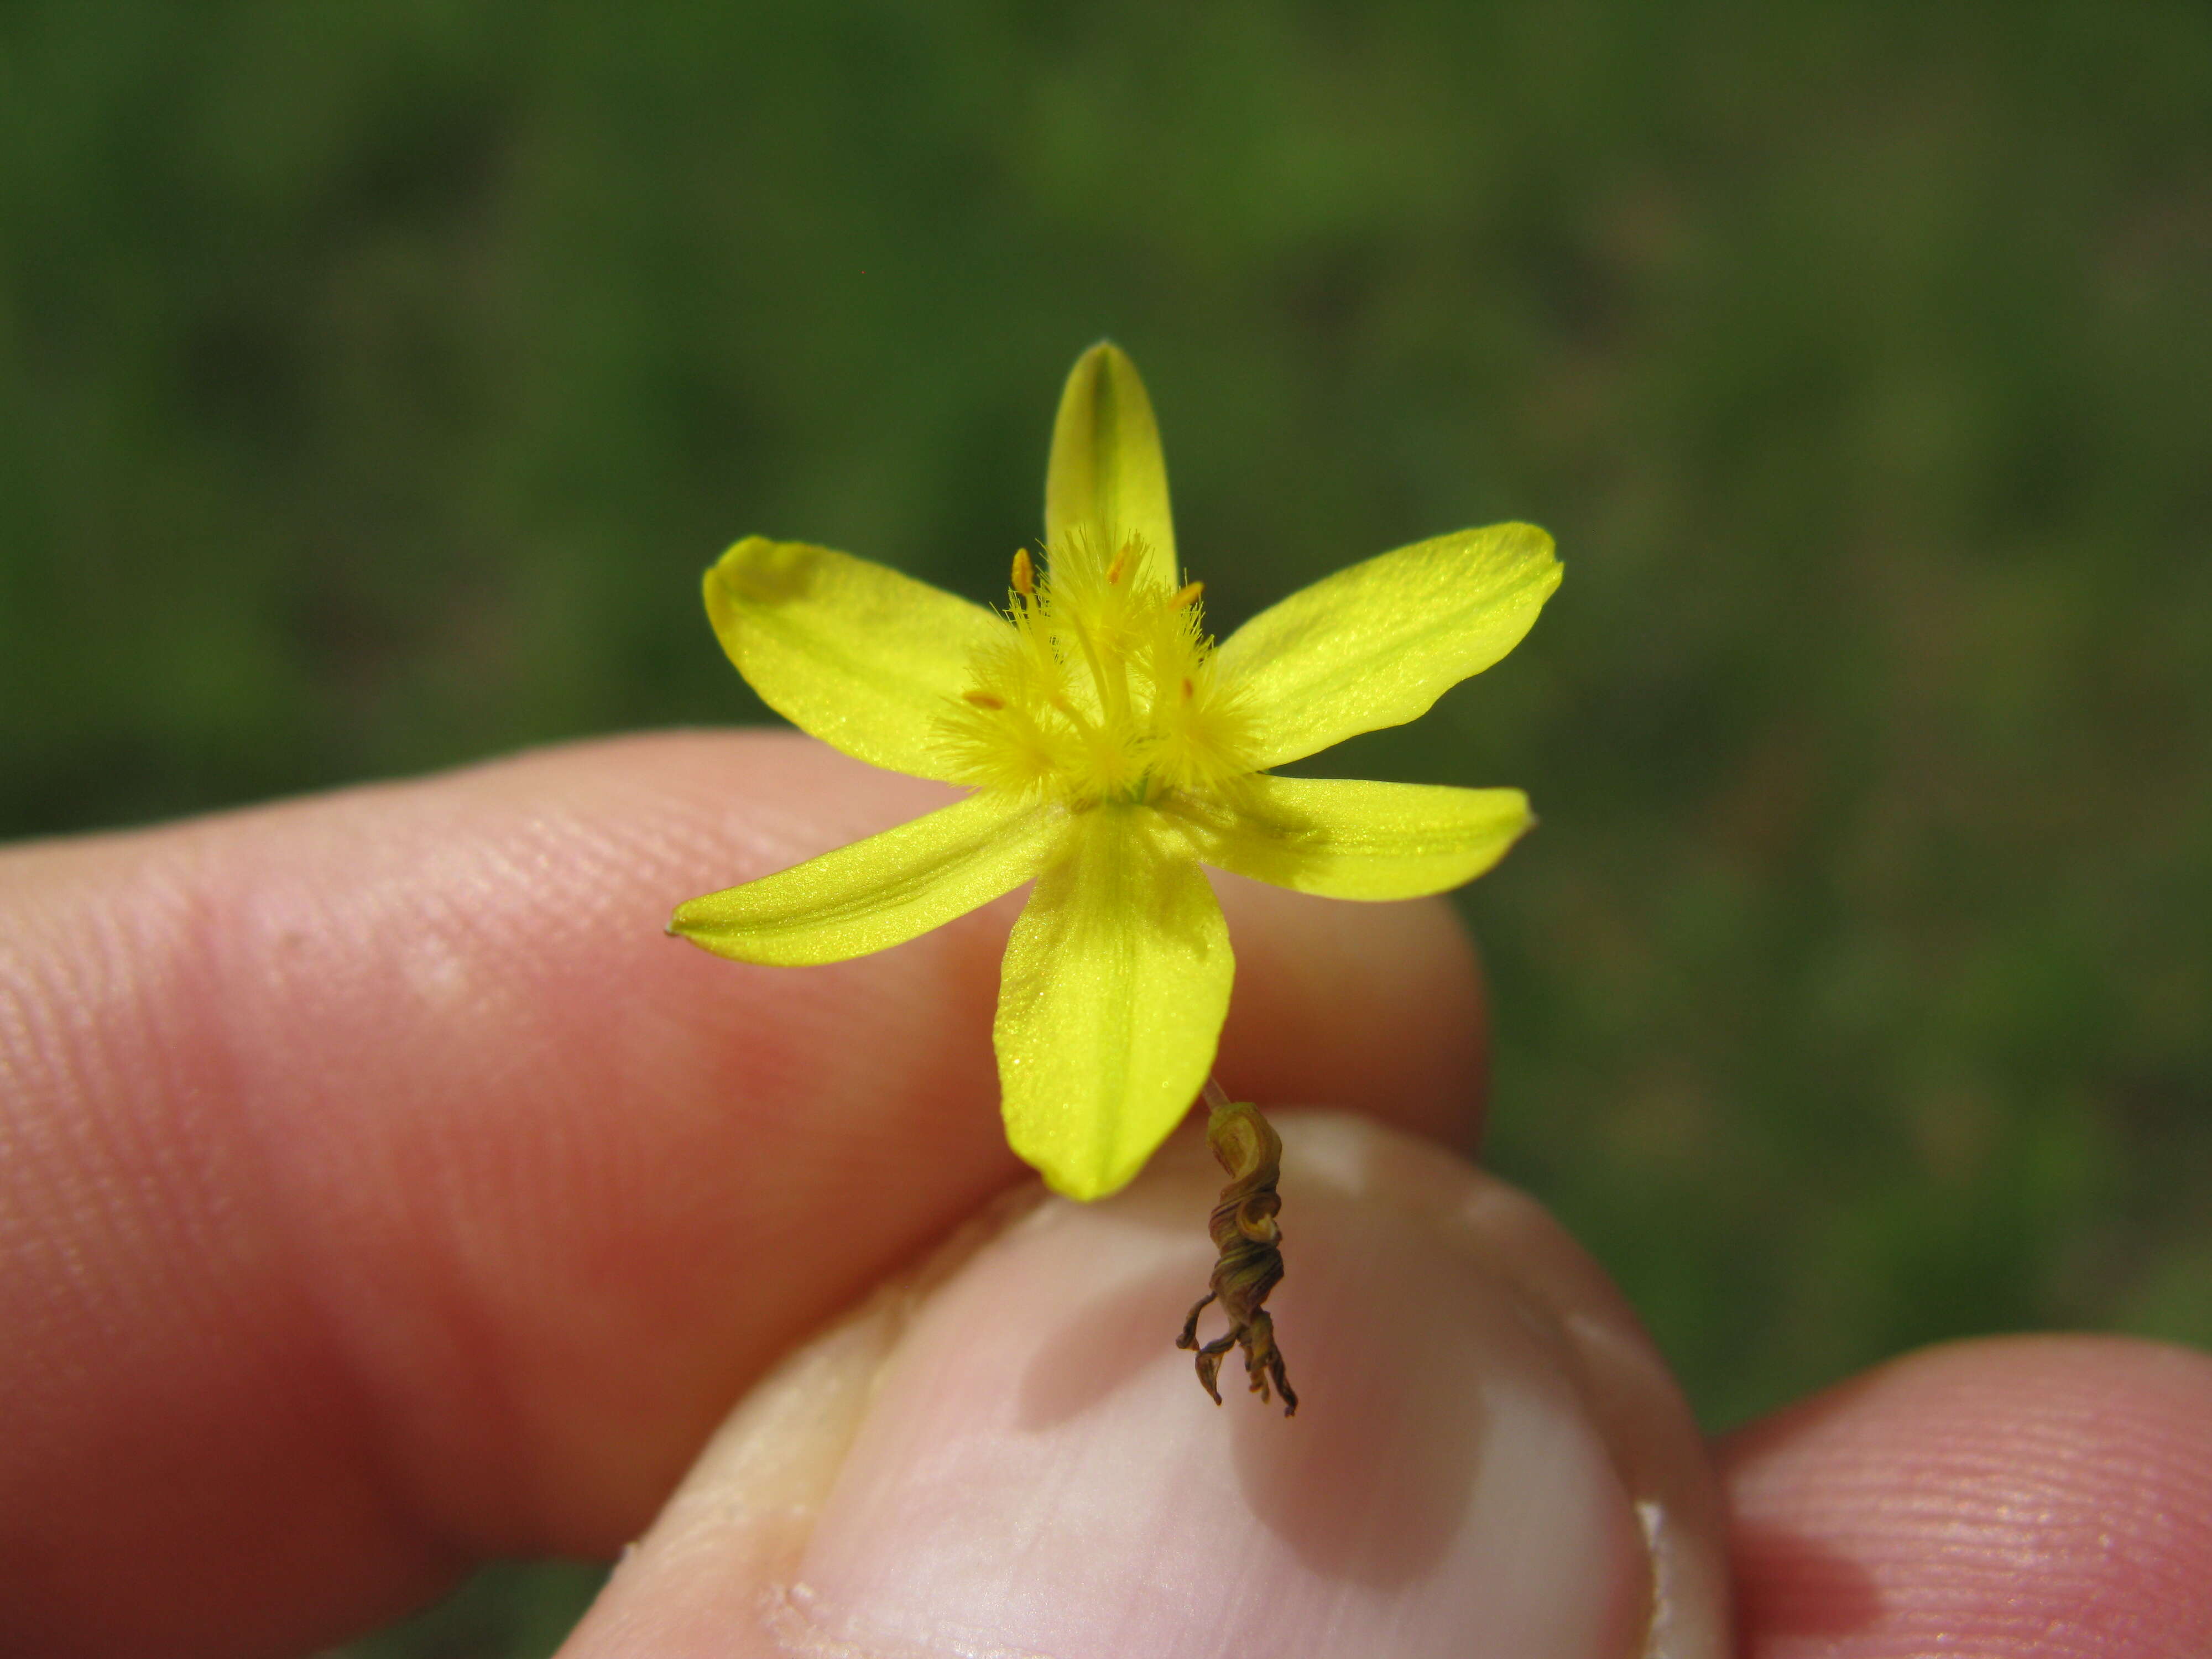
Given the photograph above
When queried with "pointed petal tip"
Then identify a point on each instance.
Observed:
(1105, 352)
(1105, 474)
(1546, 546)
(1084, 1185)
(1103, 364)
(1081, 1189)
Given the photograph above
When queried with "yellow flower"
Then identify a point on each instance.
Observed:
(1112, 748)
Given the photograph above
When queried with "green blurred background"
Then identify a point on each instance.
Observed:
(375, 381)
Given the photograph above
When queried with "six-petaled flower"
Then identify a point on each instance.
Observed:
(1112, 748)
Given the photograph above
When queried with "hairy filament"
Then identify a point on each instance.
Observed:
(1102, 687)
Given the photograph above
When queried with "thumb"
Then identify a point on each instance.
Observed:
(1008, 1456)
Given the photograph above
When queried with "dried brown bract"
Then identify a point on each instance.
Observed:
(1251, 1259)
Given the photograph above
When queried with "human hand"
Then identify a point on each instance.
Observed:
(380, 1192)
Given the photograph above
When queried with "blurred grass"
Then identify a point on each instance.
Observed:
(375, 381)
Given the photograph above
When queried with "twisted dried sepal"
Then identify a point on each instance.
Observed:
(1251, 1259)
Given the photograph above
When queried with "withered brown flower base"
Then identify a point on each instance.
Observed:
(1249, 1242)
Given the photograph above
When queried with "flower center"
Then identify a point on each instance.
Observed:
(1101, 688)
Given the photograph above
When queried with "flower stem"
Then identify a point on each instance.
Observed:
(1250, 1262)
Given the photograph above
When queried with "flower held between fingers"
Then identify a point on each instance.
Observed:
(1112, 748)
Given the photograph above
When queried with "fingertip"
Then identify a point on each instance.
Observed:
(443, 1201)
(2044, 1495)
(1018, 1459)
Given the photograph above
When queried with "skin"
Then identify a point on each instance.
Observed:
(379, 1191)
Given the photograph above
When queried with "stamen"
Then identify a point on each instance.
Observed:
(1188, 690)
(1121, 563)
(1025, 573)
(1187, 594)
(983, 700)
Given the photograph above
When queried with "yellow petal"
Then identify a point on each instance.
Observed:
(1106, 480)
(878, 892)
(1116, 985)
(1356, 840)
(861, 657)
(1374, 645)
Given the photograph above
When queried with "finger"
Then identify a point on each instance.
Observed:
(382, 1187)
(2044, 1495)
(1487, 1459)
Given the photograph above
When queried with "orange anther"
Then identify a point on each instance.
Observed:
(1187, 594)
(1025, 573)
(983, 700)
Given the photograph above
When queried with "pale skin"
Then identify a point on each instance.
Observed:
(379, 1191)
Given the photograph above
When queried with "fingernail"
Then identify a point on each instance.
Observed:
(1032, 1469)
